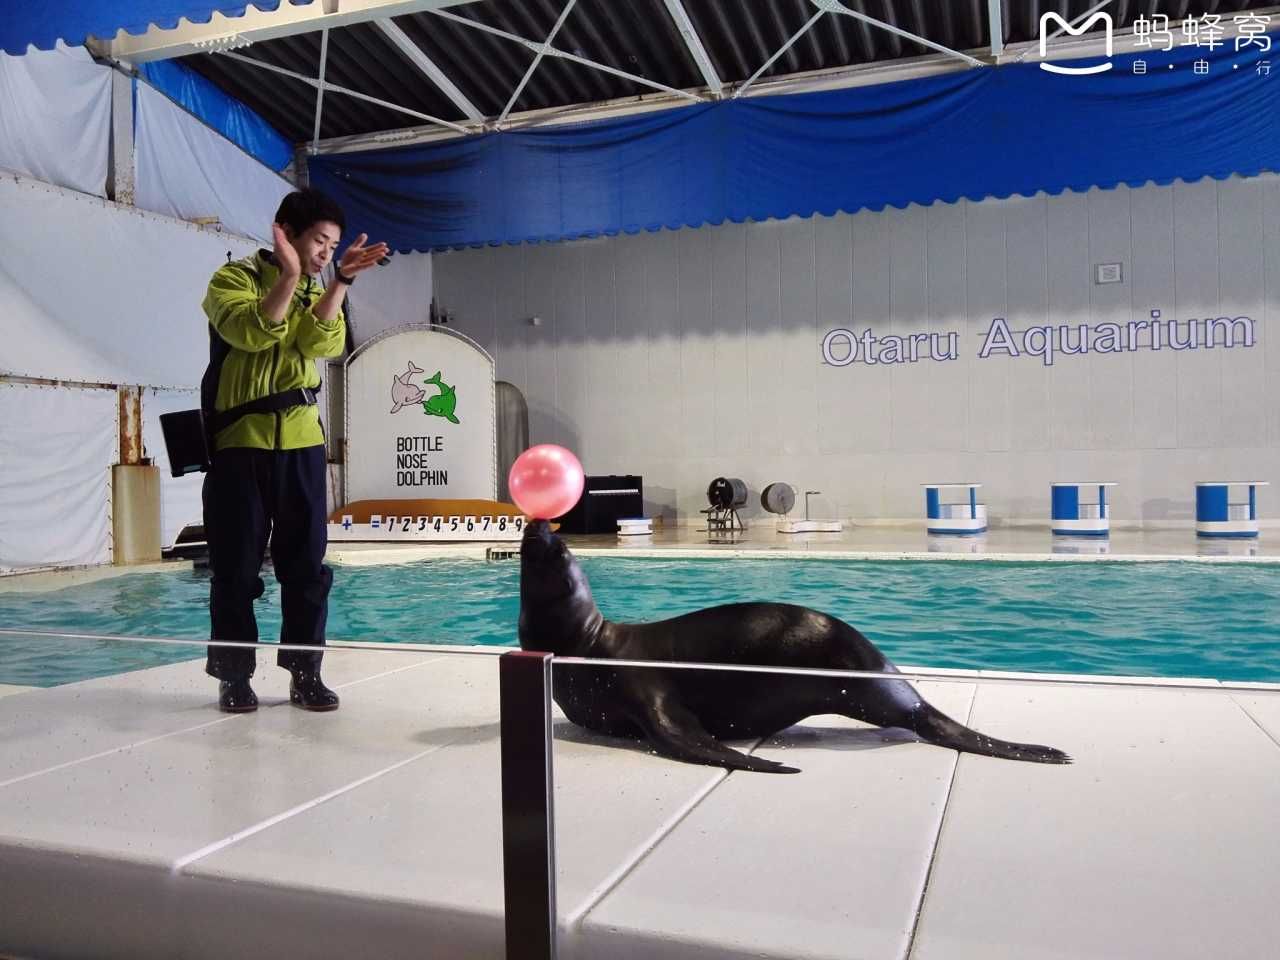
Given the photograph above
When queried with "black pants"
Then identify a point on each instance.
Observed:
(251, 495)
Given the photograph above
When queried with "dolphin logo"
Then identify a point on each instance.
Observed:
(403, 392)
(443, 403)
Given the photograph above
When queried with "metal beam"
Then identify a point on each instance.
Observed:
(779, 52)
(542, 52)
(694, 45)
(428, 68)
(324, 62)
(835, 78)
(334, 88)
(550, 51)
(835, 6)
(229, 33)
(995, 18)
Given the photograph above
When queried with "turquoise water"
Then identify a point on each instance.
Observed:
(1177, 619)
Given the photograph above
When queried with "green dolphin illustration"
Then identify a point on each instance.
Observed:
(443, 403)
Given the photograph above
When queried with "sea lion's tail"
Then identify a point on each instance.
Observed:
(934, 726)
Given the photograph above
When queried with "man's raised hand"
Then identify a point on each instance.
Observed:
(357, 258)
(286, 256)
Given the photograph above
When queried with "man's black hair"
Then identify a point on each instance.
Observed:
(302, 208)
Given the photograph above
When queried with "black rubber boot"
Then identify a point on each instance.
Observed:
(236, 696)
(308, 691)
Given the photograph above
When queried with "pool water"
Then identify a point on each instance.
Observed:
(1174, 619)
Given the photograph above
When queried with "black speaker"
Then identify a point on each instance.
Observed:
(604, 500)
(185, 441)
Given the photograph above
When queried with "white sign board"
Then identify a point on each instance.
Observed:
(420, 418)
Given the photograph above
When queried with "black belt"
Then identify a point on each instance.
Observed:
(271, 403)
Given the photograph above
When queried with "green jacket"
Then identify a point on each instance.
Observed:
(266, 358)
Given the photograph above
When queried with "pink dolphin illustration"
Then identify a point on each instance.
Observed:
(403, 392)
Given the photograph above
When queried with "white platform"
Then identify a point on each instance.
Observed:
(1082, 527)
(139, 822)
(1242, 527)
(810, 526)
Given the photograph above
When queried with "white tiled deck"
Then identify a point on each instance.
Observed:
(136, 821)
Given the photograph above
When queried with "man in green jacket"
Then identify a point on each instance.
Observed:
(269, 321)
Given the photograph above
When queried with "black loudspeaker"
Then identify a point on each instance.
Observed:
(604, 500)
(185, 441)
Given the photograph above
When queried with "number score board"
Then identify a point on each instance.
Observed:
(427, 528)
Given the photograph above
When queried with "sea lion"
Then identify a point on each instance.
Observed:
(682, 713)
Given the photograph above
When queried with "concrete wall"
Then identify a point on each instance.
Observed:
(688, 355)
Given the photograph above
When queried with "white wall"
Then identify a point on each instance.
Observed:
(392, 295)
(687, 355)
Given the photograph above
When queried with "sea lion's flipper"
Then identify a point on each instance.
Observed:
(936, 727)
(896, 703)
(676, 732)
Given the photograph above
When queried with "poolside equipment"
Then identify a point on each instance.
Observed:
(954, 517)
(781, 497)
(1070, 516)
(1218, 515)
(726, 495)
(778, 498)
(605, 499)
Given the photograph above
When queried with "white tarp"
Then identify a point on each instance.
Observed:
(57, 445)
(180, 502)
(96, 292)
(187, 170)
(392, 296)
(55, 118)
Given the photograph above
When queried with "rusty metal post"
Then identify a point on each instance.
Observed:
(130, 425)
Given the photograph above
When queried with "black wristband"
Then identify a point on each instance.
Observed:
(337, 275)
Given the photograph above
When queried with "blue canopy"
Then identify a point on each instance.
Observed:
(44, 22)
(975, 134)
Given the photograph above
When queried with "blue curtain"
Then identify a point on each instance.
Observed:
(975, 134)
(224, 113)
(44, 22)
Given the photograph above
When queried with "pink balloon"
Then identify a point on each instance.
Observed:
(546, 481)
